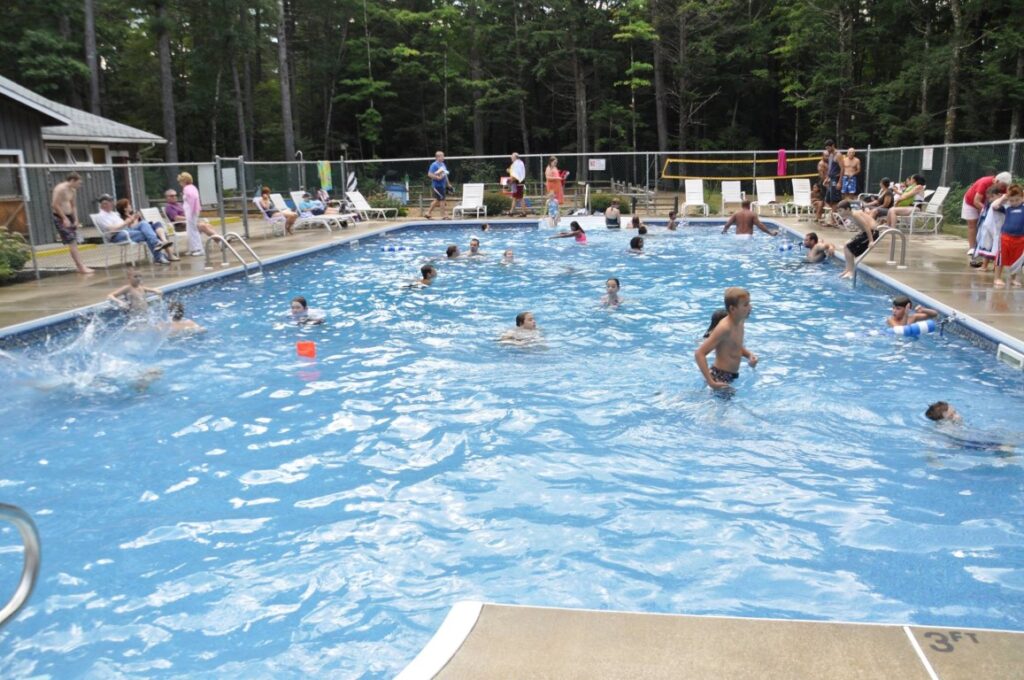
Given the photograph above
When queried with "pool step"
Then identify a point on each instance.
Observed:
(503, 641)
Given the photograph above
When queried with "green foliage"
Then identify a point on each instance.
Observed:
(600, 201)
(954, 201)
(14, 253)
(496, 202)
(383, 200)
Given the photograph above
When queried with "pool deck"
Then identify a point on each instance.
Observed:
(501, 641)
(937, 267)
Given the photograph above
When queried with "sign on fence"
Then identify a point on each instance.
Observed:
(596, 164)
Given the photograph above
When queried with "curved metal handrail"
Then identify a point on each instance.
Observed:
(30, 569)
(225, 242)
(892, 250)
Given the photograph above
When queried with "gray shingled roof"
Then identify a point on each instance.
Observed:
(81, 126)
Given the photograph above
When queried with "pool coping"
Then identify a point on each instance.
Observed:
(975, 331)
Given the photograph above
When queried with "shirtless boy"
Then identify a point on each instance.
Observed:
(474, 247)
(673, 223)
(902, 314)
(133, 295)
(726, 341)
(818, 249)
(65, 217)
(178, 324)
(851, 168)
(745, 219)
(429, 273)
(525, 330)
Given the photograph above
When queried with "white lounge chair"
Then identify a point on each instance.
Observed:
(339, 220)
(365, 209)
(275, 221)
(108, 243)
(765, 196)
(472, 201)
(156, 216)
(695, 196)
(801, 202)
(731, 193)
(312, 220)
(931, 215)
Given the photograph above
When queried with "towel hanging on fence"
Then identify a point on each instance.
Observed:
(781, 169)
(323, 168)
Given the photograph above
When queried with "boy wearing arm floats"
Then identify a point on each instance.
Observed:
(726, 341)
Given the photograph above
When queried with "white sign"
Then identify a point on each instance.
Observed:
(596, 164)
(229, 178)
(207, 181)
(926, 159)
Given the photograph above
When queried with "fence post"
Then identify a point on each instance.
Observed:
(23, 178)
(344, 179)
(945, 165)
(867, 171)
(245, 195)
(899, 175)
(1013, 154)
(220, 196)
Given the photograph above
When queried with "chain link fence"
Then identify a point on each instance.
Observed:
(955, 165)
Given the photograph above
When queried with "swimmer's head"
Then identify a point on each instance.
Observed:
(641, 229)
(671, 214)
(453, 251)
(810, 240)
(635, 221)
(716, 318)
(508, 256)
(941, 410)
(526, 321)
(484, 226)
(299, 305)
(636, 243)
(737, 298)
(612, 286)
(474, 245)
(900, 307)
(745, 205)
(134, 276)
(428, 272)
(615, 202)
(575, 227)
(177, 310)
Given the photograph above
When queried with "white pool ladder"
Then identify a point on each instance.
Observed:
(892, 250)
(225, 243)
(30, 568)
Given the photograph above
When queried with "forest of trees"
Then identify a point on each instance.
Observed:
(393, 78)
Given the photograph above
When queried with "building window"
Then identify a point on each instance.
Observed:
(77, 155)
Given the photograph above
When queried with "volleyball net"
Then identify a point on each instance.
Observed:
(750, 168)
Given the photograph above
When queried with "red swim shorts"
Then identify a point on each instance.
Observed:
(1011, 248)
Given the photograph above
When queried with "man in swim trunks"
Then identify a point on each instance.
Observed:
(851, 168)
(818, 249)
(65, 217)
(726, 341)
(438, 174)
(745, 219)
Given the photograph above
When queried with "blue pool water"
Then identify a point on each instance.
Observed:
(253, 514)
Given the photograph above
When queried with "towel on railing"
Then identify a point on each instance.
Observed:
(780, 169)
(323, 169)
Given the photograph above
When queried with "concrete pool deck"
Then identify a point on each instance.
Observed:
(501, 641)
(937, 267)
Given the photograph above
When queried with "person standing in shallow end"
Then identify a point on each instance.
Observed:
(63, 205)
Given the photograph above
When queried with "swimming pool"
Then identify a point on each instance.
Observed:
(251, 514)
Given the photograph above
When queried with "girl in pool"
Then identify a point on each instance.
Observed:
(303, 315)
(576, 232)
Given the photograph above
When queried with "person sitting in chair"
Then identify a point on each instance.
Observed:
(267, 206)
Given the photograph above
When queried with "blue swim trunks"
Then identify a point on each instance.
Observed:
(849, 184)
(439, 189)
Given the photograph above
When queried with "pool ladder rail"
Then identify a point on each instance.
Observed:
(226, 247)
(30, 568)
(894, 233)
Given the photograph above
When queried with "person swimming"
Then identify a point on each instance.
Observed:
(303, 315)
(575, 231)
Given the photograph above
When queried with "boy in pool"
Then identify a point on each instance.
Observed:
(508, 257)
(611, 298)
(525, 330)
(942, 410)
(636, 244)
(474, 248)
(301, 313)
(178, 324)
(429, 273)
(133, 294)
(726, 341)
(903, 316)
(673, 223)
(452, 252)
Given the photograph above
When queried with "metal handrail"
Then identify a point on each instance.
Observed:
(892, 250)
(235, 235)
(225, 242)
(30, 569)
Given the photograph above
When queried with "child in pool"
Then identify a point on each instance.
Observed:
(611, 298)
(132, 296)
(575, 231)
(726, 341)
(303, 315)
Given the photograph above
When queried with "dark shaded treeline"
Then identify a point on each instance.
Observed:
(394, 78)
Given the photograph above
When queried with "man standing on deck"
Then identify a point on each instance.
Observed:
(516, 177)
(438, 174)
(851, 168)
(63, 205)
